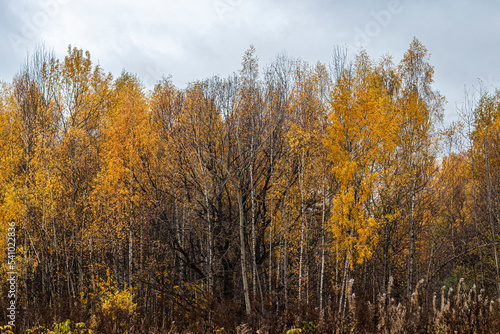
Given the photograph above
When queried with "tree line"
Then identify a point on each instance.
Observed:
(246, 197)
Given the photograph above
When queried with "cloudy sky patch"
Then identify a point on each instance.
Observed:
(195, 39)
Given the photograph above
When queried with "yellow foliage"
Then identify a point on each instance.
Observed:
(115, 303)
(362, 135)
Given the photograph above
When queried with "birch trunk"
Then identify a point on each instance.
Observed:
(243, 259)
(302, 212)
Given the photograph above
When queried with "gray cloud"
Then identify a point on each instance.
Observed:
(193, 39)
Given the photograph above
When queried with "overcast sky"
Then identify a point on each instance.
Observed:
(195, 39)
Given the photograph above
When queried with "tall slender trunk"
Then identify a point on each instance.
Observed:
(285, 261)
(433, 245)
(177, 229)
(491, 218)
(56, 251)
(243, 260)
(272, 221)
(209, 219)
(210, 241)
(322, 273)
(254, 262)
(343, 284)
(411, 240)
(141, 257)
(386, 254)
(131, 203)
(303, 221)
(280, 250)
(130, 244)
(91, 260)
(283, 244)
(476, 227)
(68, 277)
(337, 278)
(238, 186)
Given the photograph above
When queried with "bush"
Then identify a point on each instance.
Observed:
(65, 327)
(116, 310)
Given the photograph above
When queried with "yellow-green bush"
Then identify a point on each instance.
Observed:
(116, 309)
(65, 327)
(118, 304)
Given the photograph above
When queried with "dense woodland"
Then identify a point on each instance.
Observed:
(325, 197)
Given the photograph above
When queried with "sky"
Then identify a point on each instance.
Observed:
(195, 39)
